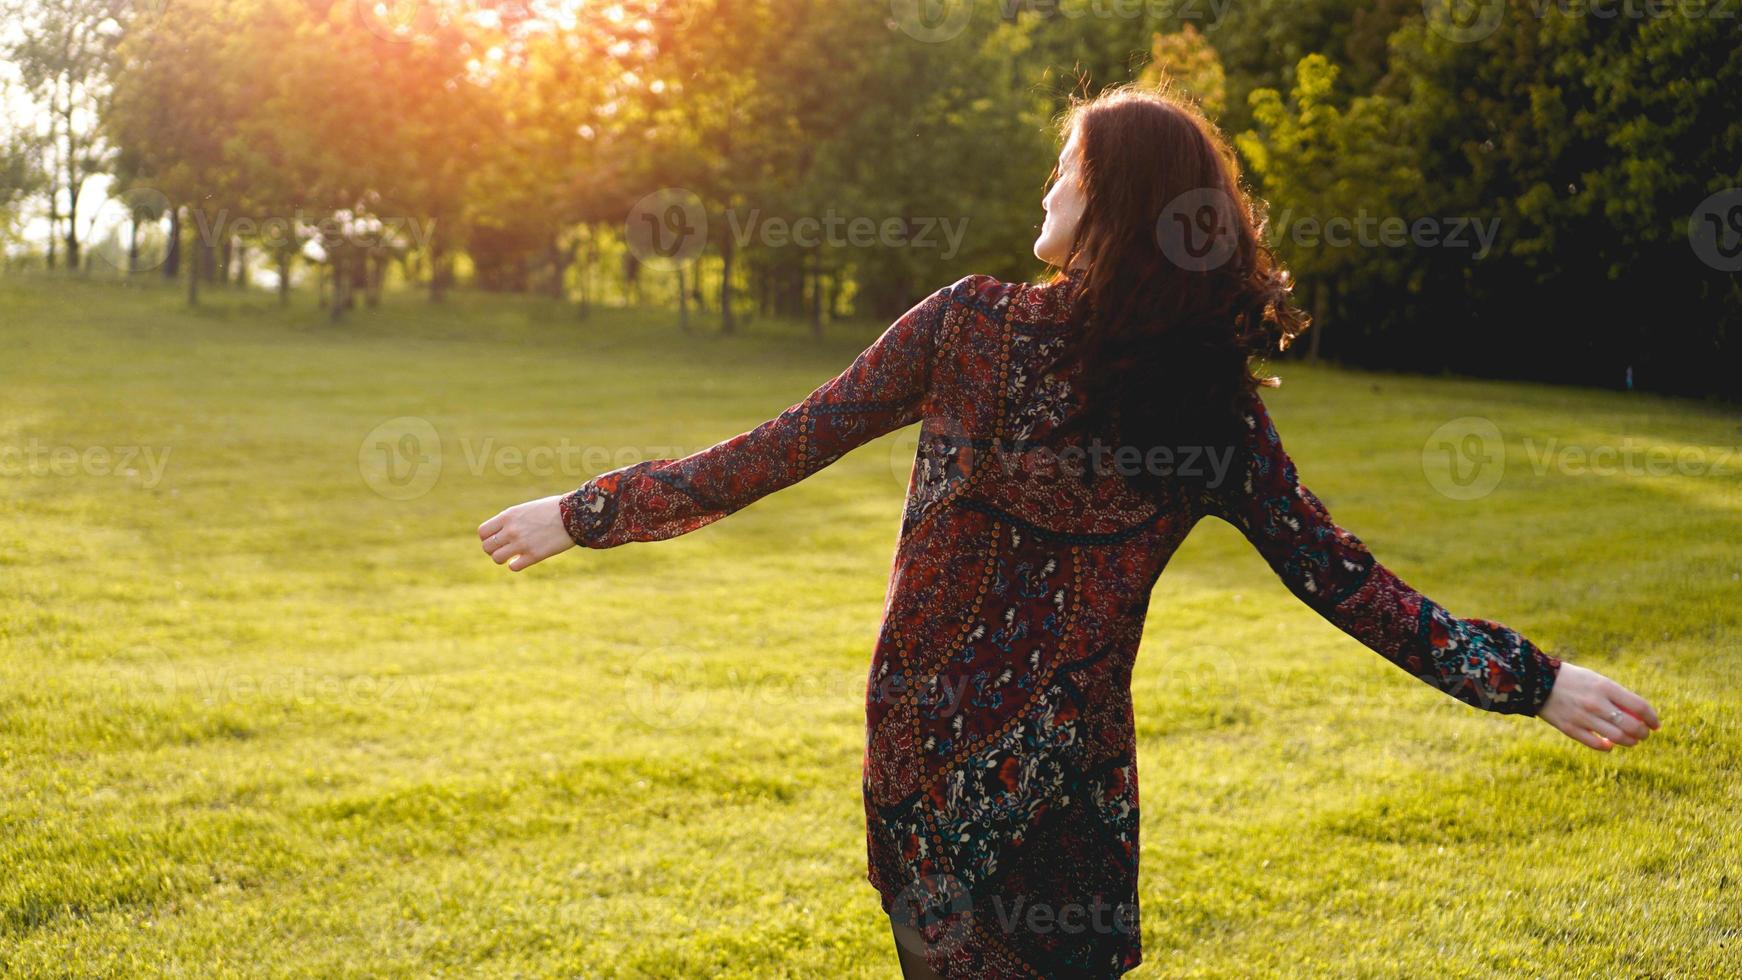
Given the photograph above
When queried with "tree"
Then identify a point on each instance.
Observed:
(62, 50)
(22, 174)
(1330, 167)
(1186, 63)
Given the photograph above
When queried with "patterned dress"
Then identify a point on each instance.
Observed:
(1000, 782)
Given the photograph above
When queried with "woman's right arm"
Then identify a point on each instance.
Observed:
(884, 389)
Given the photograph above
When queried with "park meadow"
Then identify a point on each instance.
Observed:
(265, 710)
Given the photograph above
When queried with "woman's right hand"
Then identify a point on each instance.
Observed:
(526, 534)
(1590, 708)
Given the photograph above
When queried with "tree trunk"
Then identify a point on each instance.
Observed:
(284, 277)
(816, 304)
(374, 270)
(193, 274)
(1318, 329)
(72, 230)
(560, 260)
(53, 187)
(72, 235)
(683, 302)
(438, 272)
(358, 269)
(74, 182)
(632, 278)
(242, 264)
(341, 286)
(783, 292)
(172, 247)
(727, 247)
(53, 223)
(588, 260)
(133, 245)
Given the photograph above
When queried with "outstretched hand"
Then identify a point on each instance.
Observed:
(526, 534)
(1593, 709)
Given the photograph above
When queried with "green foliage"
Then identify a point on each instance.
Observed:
(515, 144)
(1330, 165)
(1592, 141)
(1185, 63)
(57, 53)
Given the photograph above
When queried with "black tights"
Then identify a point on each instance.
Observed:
(908, 944)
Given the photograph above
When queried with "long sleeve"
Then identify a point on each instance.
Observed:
(883, 390)
(1477, 661)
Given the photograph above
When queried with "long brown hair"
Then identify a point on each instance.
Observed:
(1180, 294)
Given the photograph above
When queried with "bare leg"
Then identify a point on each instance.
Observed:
(909, 945)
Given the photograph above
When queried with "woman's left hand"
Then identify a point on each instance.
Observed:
(526, 534)
(1590, 708)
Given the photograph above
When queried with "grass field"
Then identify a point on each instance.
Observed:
(258, 716)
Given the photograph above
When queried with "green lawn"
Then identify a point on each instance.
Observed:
(258, 718)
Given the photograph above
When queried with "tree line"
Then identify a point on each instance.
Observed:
(1514, 188)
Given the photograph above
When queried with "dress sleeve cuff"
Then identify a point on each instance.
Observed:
(1535, 671)
(583, 513)
(1546, 670)
(1531, 672)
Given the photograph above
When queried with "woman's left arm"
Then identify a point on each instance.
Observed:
(1477, 661)
(882, 390)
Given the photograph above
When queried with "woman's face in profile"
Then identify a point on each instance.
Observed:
(1064, 208)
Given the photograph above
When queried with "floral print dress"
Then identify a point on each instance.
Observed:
(1000, 781)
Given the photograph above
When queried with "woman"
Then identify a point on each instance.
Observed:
(1072, 433)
